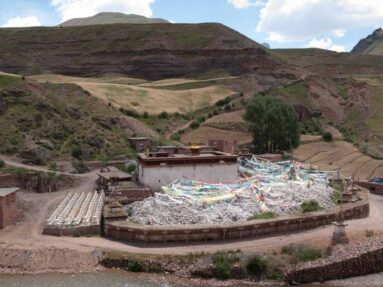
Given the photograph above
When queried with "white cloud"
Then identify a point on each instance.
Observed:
(339, 33)
(243, 4)
(84, 8)
(325, 43)
(302, 20)
(29, 21)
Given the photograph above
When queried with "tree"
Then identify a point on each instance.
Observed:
(274, 124)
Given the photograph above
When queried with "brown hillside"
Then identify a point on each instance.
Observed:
(148, 51)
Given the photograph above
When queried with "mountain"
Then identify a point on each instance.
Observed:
(372, 44)
(147, 51)
(112, 18)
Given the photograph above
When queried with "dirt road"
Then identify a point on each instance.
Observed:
(28, 231)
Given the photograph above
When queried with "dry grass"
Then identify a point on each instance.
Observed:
(131, 94)
(232, 117)
(204, 134)
(155, 101)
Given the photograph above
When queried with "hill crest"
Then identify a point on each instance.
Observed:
(112, 18)
(372, 44)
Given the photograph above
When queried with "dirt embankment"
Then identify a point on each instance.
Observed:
(47, 259)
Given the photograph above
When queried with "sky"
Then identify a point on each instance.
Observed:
(329, 24)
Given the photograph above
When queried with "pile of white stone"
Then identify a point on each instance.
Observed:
(281, 199)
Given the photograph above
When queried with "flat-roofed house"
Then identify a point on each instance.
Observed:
(9, 212)
(158, 169)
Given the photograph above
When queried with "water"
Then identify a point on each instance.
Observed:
(101, 279)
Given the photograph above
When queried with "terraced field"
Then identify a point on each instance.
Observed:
(340, 155)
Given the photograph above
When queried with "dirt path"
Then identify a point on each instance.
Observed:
(11, 162)
(28, 232)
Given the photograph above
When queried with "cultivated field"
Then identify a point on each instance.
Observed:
(340, 155)
(131, 94)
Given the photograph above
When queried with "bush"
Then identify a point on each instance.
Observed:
(223, 102)
(129, 113)
(327, 136)
(135, 266)
(227, 108)
(201, 119)
(163, 115)
(77, 152)
(131, 167)
(309, 254)
(222, 264)
(215, 112)
(256, 266)
(175, 137)
(146, 115)
(2, 163)
(194, 125)
(310, 206)
(53, 166)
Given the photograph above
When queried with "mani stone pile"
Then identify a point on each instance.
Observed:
(164, 209)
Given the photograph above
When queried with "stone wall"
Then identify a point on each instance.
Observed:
(126, 231)
(81, 230)
(25, 181)
(373, 188)
(362, 264)
(157, 176)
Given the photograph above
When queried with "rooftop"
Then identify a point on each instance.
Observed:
(112, 172)
(7, 191)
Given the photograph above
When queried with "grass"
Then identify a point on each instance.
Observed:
(301, 253)
(263, 215)
(338, 187)
(310, 206)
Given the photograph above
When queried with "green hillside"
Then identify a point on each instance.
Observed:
(45, 122)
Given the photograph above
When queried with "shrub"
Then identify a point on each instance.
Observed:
(227, 108)
(222, 264)
(256, 266)
(327, 136)
(215, 112)
(134, 266)
(163, 115)
(310, 206)
(201, 119)
(53, 166)
(194, 125)
(175, 137)
(129, 113)
(77, 152)
(146, 115)
(2, 163)
(131, 167)
(309, 254)
(223, 102)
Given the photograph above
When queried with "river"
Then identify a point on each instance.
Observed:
(126, 279)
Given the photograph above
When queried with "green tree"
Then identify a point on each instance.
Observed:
(274, 124)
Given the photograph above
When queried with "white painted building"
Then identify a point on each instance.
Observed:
(158, 169)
